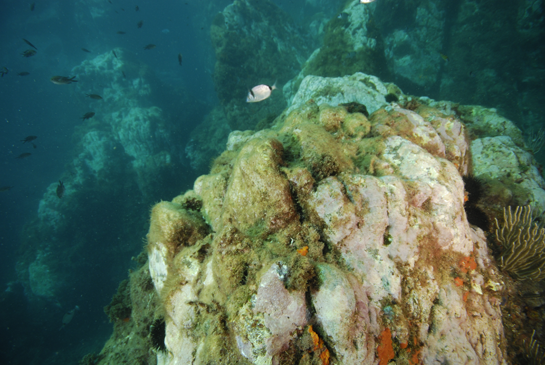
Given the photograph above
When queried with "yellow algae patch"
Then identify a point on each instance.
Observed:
(175, 227)
(258, 195)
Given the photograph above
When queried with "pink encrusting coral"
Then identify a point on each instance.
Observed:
(354, 225)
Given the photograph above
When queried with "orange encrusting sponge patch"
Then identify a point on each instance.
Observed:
(303, 251)
(467, 263)
(385, 349)
(319, 345)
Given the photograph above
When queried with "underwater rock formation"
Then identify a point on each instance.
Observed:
(255, 43)
(467, 51)
(331, 235)
(414, 37)
(122, 154)
(352, 43)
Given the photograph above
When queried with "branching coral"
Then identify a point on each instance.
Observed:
(523, 243)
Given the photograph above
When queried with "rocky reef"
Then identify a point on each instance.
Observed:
(128, 148)
(351, 43)
(466, 51)
(339, 235)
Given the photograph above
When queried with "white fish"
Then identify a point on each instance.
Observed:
(260, 93)
(67, 318)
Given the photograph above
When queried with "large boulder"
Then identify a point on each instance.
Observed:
(331, 237)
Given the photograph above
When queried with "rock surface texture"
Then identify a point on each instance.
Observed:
(332, 238)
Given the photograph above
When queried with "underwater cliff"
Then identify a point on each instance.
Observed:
(339, 235)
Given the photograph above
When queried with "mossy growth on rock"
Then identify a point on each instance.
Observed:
(133, 310)
(120, 306)
(331, 218)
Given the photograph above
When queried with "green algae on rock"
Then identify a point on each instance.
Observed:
(350, 223)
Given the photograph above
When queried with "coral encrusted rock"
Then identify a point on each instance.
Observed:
(332, 237)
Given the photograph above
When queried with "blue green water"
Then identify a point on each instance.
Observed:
(497, 62)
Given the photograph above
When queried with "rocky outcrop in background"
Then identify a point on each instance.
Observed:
(127, 149)
(255, 43)
(471, 52)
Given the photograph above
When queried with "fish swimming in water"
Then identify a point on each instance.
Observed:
(3, 72)
(60, 189)
(85, 50)
(28, 53)
(140, 24)
(150, 46)
(121, 32)
(115, 55)
(180, 58)
(32, 6)
(366, 1)
(29, 139)
(63, 80)
(33, 145)
(260, 93)
(136, 8)
(67, 318)
(123, 73)
(94, 96)
(24, 73)
(5, 188)
(88, 115)
(30, 44)
(23, 155)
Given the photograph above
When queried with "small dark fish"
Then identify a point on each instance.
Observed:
(115, 55)
(5, 188)
(63, 80)
(140, 24)
(121, 32)
(122, 9)
(94, 96)
(23, 155)
(180, 58)
(32, 6)
(4, 71)
(29, 139)
(109, 1)
(85, 50)
(30, 44)
(88, 115)
(60, 189)
(124, 76)
(150, 46)
(24, 73)
(28, 53)
(136, 8)
(33, 145)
